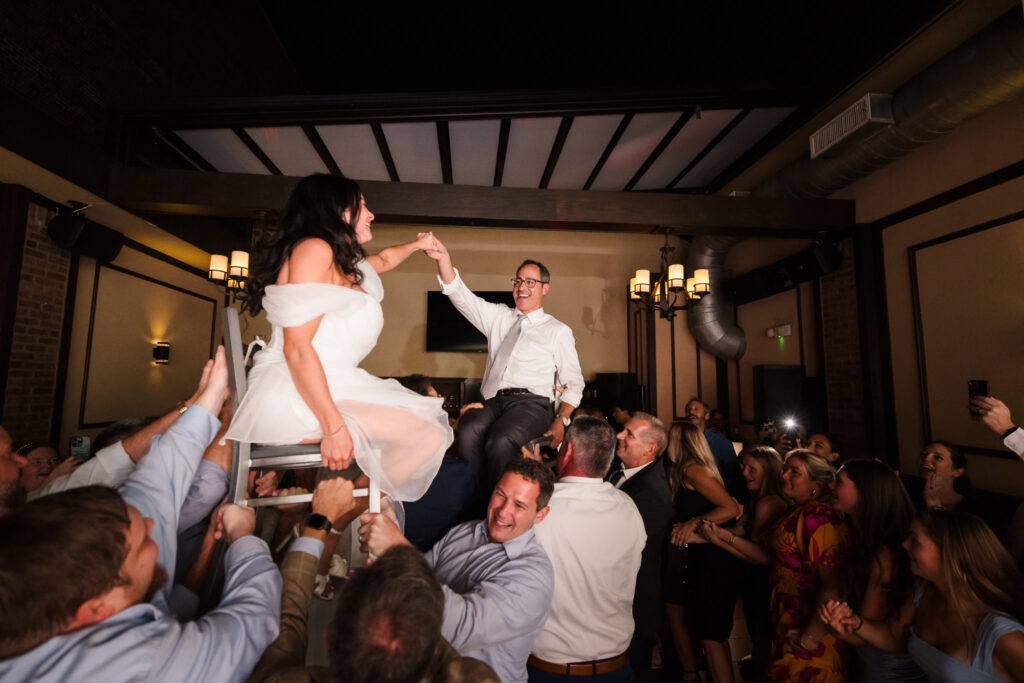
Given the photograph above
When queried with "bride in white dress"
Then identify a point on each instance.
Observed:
(322, 295)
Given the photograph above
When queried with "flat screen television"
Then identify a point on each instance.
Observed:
(447, 330)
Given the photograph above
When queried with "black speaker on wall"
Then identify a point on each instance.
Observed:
(76, 233)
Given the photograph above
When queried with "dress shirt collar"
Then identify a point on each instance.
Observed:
(580, 480)
(631, 472)
(534, 317)
(513, 549)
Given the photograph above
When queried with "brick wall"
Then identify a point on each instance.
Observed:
(38, 322)
(842, 354)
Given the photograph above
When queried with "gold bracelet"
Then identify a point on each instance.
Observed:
(335, 431)
(732, 538)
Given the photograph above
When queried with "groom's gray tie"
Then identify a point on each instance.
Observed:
(498, 366)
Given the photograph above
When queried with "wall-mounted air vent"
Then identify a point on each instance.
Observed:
(863, 117)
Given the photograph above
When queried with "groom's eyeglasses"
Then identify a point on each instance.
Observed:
(529, 282)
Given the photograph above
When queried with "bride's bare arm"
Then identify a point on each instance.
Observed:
(390, 258)
(313, 261)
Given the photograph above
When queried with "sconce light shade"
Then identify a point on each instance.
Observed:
(218, 267)
(702, 282)
(162, 353)
(632, 289)
(676, 277)
(690, 286)
(643, 282)
(239, 265)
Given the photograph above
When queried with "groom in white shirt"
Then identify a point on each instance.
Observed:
(529, 353)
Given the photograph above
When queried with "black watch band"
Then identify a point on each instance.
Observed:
(318, 522)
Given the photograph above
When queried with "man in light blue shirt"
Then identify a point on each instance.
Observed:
(497, 580)
(87, 600)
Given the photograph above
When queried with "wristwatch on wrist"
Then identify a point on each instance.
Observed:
(565, 420)
(318, 522)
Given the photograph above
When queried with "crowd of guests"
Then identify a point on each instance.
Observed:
(631, 544)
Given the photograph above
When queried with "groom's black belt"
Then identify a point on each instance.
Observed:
(512, 392)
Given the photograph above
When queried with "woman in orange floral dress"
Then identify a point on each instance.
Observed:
(807, 547)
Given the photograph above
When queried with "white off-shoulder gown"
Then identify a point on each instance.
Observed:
(399, 437)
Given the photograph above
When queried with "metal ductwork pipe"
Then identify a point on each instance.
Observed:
(985, 71)
(708, 320)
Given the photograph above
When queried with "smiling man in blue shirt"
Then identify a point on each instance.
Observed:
(497, 580)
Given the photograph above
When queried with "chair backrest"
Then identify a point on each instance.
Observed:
(235, 355)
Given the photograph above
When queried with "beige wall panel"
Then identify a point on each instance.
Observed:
(147, 389)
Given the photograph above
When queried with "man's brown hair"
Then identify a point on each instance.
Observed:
(59, 551)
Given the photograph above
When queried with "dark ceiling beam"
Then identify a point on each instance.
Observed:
(710, 146)
(385, 151)
(242, 195)
(182, 148)
(318, 144)
(335, 109)
(499, 160)
(257, 151)
(556, 150)
(444, 146)
(656, 152)
(623, 124)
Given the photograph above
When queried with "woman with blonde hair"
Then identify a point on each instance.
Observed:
(806, 548)
(966, 622)
(703, 581)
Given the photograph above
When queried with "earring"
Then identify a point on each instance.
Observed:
(814, 492)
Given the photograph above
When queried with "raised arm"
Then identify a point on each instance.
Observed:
(390, 258)
(439, 253)
(313, 261)
(726, 507)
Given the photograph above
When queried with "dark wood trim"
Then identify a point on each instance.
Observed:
(672, 366)
(444, 147)
(60, 386)
(313, 135)
(256, 150)
(915, 295)
(183, 149)
(499, 159)
(700, 388)
(800, 324)
(14, 201)
(651, 361)
(385, 151)
(92, 323)
(972, 187)
(722, 384)
(666, 140)
(736, 120)
(556, 150)
(160, 256)
(243, 195)
(291, 110)
(876, 352)
(623, 124)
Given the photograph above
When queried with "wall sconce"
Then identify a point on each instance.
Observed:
(162, 353)
(239, 269)
(229, 275)
(218, 271)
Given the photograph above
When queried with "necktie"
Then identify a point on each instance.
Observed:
(617, 477)
(490, 385)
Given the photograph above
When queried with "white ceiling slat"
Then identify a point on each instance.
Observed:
(583, 146)
(688, 143)
(414, 150)
(642, 135)
(289, 149)
(355, 150)
(474, 146)
(529, 146)
(751, 129)
(224, 150)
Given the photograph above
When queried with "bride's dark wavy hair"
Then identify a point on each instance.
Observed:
(314, 210)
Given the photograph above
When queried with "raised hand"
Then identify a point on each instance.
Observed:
(336, 450)
(233, 522)
(377, 533)
(333, 498)
(267, 484)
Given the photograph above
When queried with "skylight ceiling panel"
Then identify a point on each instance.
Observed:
(223, 149)
(529, 146)
(642, 135)
(474, 147)
(583, 146)
(289, 149)
(414, 150)
(755, 126)
(355, 150)
(694, 137)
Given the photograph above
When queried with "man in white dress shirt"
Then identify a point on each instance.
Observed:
(529, 353)
(594, 537)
